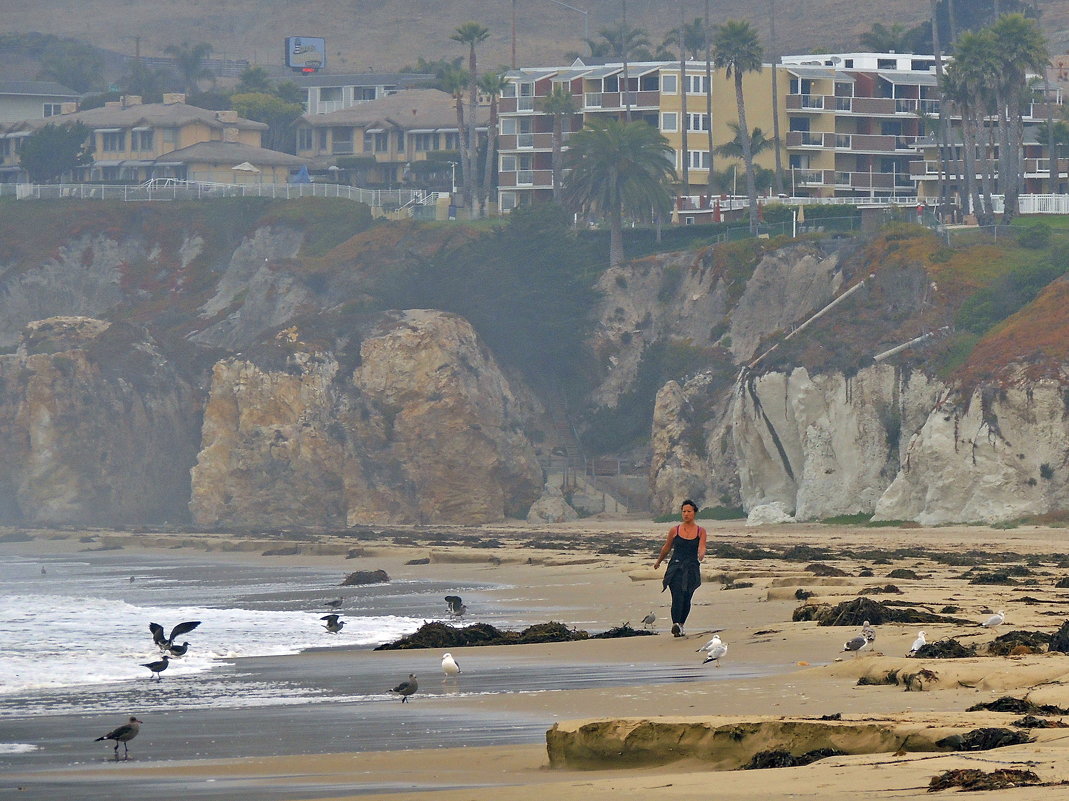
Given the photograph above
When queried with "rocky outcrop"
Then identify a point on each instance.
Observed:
(826, 444)
(994, 455)
(424, 428)
(726, 743)
(96, 427)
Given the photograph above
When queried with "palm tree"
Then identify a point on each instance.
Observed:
(560, 104)
(619, 41)
(684, 118)
(189, 59)
(693, 40)
(454, 80)
(1021, 47)
(733, 148)
(471, 34)
(1056, 134)
(618, 168)
(709, 98)
(883, 39)
(969, 80)
(491, 84)
(775, 94)
(737, 51)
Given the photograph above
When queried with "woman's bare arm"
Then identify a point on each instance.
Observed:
(665, 548)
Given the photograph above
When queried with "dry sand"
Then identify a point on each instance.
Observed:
(776, 670)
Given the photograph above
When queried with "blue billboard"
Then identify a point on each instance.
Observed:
(306, 53)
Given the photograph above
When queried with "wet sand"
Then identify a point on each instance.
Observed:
(485, 737)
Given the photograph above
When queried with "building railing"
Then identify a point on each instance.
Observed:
(172, 189)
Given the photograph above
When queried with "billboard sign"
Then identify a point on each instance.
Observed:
(306, 53)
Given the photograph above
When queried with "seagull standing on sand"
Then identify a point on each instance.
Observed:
(157, 667)
(335, 604)
(995, 620)
(165, 643)
(123, 734)
(333, 625)
(857, 644)
(649, 620)
(457, 608)
(179, 650)
(918, 643)
(449, 666)
(406, 687)
(868, 632)
(714, 650)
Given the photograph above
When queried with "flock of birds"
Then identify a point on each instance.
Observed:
(123, 734)
(714, 650)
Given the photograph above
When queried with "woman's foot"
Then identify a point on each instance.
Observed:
(677, 630)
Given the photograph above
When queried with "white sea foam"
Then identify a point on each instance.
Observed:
(53, 641)
(17, 748)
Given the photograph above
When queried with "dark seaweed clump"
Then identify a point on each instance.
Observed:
(784, 759)
(857, 611)
(1036, 641)
(975, 779)
(442, 635)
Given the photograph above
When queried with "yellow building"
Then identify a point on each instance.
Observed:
(133, 141)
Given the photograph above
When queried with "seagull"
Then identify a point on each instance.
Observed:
(406, 687)
(868, 632)
(157, 667)
(996, 619)
(450, 667)
(179, 650)
(335, 604)
(123, 734)
(649, 620)
(457, 607)
(165, 643)
(918, 643)
(333, 625)
(714, 649)
(857, 644)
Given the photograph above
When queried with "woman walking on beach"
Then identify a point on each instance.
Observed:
(683, 574)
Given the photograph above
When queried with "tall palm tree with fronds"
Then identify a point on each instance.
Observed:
(454, 80)
(737, 51)
(189, 59)
(1022, 48)
(618, 168)
(886, 39)
(560, 103)
(733, 148)
(969, 83)
(491, 84)
(693, 38)
(471, 34)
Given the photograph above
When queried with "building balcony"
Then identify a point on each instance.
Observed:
(526, 179)
(527, 141)
(843, 180)
(808, 103)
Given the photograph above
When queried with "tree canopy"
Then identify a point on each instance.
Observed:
(53, 150)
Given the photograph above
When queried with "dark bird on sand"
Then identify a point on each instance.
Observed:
(123, 734)
(333, 625)
(179, 650)
(165, 643)
(335, 604)
(157, 667)
(457, 607)
(407, 687)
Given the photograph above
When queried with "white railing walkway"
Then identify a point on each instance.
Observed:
(169, 189)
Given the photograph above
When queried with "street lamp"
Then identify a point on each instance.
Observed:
(453, 177)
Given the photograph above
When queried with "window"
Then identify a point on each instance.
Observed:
(526, 89)
(170, 136)
(5, 147)
(328, 94)
(508, 126)
(52, 109)
(669, 121)
(323, 139)
(611, 83)
(376, 142)
(341, 140)
(699, 159)
(304, 138)
(362, 94)
(509, 90)
(697, 122)
(508, 201)
(695, 84)
(669, 84)
(887, 63)
(451, 141)
(508, 163)
(141, 140)
(424, 141)
(113, 141)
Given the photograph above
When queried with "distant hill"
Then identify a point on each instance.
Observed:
(387, 34)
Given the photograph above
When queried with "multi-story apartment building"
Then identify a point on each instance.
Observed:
(390, 133)
(852, 124)
(134, 141)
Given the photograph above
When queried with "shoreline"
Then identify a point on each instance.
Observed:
(774, 667)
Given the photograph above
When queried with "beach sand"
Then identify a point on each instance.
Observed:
(596, 574)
